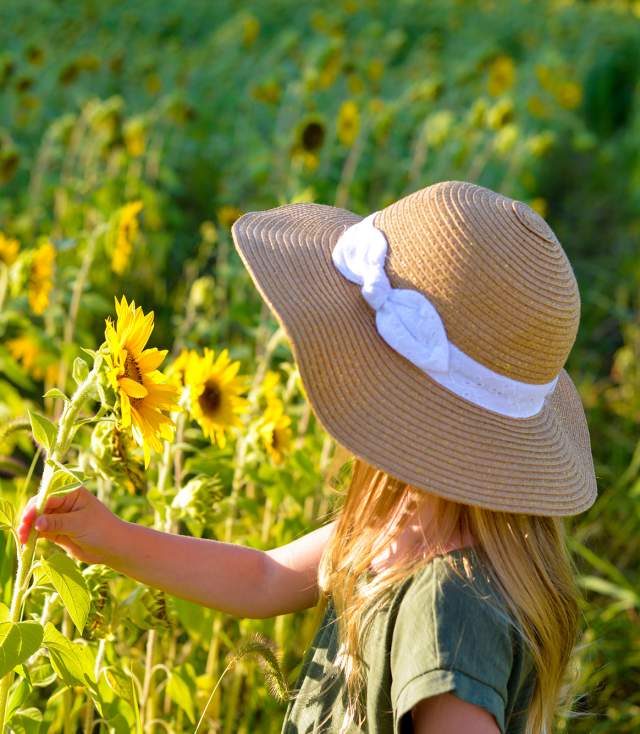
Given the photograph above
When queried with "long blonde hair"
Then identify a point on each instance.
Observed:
(525, 555)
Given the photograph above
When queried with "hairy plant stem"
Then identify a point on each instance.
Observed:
(27, 552)
(149, 696)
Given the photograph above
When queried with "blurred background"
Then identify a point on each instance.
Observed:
(132, 135)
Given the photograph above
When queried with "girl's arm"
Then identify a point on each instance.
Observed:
(232, 578)
(449, 714)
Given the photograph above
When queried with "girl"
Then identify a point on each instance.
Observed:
(431, 337)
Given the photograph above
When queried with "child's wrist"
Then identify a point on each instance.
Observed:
(116, 552)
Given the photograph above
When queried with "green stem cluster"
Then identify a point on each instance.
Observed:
(25, 554)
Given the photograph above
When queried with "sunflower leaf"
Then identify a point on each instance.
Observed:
(18, 642)
(44, 431)
(71, 585)
(7, 514)
(80, 370)
(55, 393)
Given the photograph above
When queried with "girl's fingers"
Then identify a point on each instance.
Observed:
(60, 522)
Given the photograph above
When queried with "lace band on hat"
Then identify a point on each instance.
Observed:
(408, 321)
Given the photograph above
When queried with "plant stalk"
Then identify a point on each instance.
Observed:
(26, 554)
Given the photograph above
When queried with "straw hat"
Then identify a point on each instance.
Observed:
(431, 337)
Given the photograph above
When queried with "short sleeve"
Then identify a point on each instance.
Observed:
(448, 637)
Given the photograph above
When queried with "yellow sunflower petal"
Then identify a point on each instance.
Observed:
(132, 388)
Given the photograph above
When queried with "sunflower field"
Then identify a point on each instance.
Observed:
(137, 358)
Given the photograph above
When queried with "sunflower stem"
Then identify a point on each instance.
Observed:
(26, 554)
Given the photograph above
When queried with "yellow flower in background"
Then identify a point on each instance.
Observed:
(539, 204)
(126, 234)
(275, 431)
(568, 94)
(541, 143)
(537, 107)
(270, 385)
(310, 134)
(348, 122)
(9, 249)
(134, 134)
(438, 126)
(177, 371)
(25, 350)
(501, 75)
(227, 215)
(506, 138)
(330, 69)
(500, 113)
(140, 386)
(250, 29)
(477, 113)
(41, 277)
(375, 70)
(545, 76)
(214, 394)
(355, 83)
(269, 91)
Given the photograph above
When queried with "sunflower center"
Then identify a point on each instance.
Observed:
(312, 136)
(274, 440)
(210, 398)
(132, 370)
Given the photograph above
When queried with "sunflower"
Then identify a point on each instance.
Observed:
(348, 123)
(274, 430)
(24, 349)
(126, 234)
(501, 75)
(143, 391)
(27, 350)
(8, 249)
(214, 388)
(41, 277)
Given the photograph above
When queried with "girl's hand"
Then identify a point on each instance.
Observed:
(76, 521)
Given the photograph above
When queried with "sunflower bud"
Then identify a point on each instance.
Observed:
(98, 621)
(198, 499)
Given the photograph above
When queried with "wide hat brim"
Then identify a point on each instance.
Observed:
(384, 409)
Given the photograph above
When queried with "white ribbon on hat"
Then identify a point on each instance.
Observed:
(408, 321)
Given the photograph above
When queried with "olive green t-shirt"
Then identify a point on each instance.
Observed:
(439, 633)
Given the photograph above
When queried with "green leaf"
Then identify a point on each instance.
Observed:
(72, 661)
(62, 479)
(18, 697)
(44, 431)
(69, 582)
(119, 682)
(17, 643)
(80, 370)
(179, 690)
(5, 612)
(7, 514)
(27, 721)
(55, 393)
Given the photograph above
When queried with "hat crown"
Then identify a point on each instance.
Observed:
(494, 270)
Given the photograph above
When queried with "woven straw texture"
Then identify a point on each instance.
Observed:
(507, 296)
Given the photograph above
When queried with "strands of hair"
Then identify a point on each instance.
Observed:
(526, 557)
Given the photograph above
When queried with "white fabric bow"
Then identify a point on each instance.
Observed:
(405, 318)
(410, 323)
